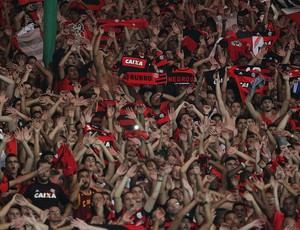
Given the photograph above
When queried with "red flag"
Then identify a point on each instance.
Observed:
(293, 14)
(65, 160)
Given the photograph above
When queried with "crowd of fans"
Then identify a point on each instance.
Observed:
(84, 147)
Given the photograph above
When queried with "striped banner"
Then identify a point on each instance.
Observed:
(31, 43)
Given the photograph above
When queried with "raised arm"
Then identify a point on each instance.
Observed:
(219, 96)
(251, 109)
(152, 199)
(286, 102)
(118, 192)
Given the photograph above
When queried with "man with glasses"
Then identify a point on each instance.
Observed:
(55, 219)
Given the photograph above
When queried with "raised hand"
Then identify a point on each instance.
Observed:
(254, 128)
(110, 111)
(132, 171)
(231, 150)
(43, 169)
(61, 122)
(78, 223)
(121, 170)
(262, 52)
(286, 76)
(232, 197)
(19, 135)
(112, 34)
(105, 87)
(27, 134)
(259, 223)
(175, 28)
(118, 89)
(12, 111)
(45, 100)
(21, 200)
(118, 127)
(96, 89)
(130, 113)
(140, 108)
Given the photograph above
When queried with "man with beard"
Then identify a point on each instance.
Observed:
(81, 196)
(269, 114)
(42, 193)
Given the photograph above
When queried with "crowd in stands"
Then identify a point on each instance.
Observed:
(153, 114)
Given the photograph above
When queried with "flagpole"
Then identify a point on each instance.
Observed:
(50, 26)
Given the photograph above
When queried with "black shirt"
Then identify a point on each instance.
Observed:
(47, 195)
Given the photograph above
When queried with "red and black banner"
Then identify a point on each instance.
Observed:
(293, 70)
(134, 64)
(239, 45)
(257, 69)
(192, 39)
(144, 78)
(244, 79)
(180, 76)
(160, 60)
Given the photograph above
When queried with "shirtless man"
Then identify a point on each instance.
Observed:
(230, 114)
(104, 65)
(269, 114)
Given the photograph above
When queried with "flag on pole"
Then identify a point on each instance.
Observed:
(50, 24)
